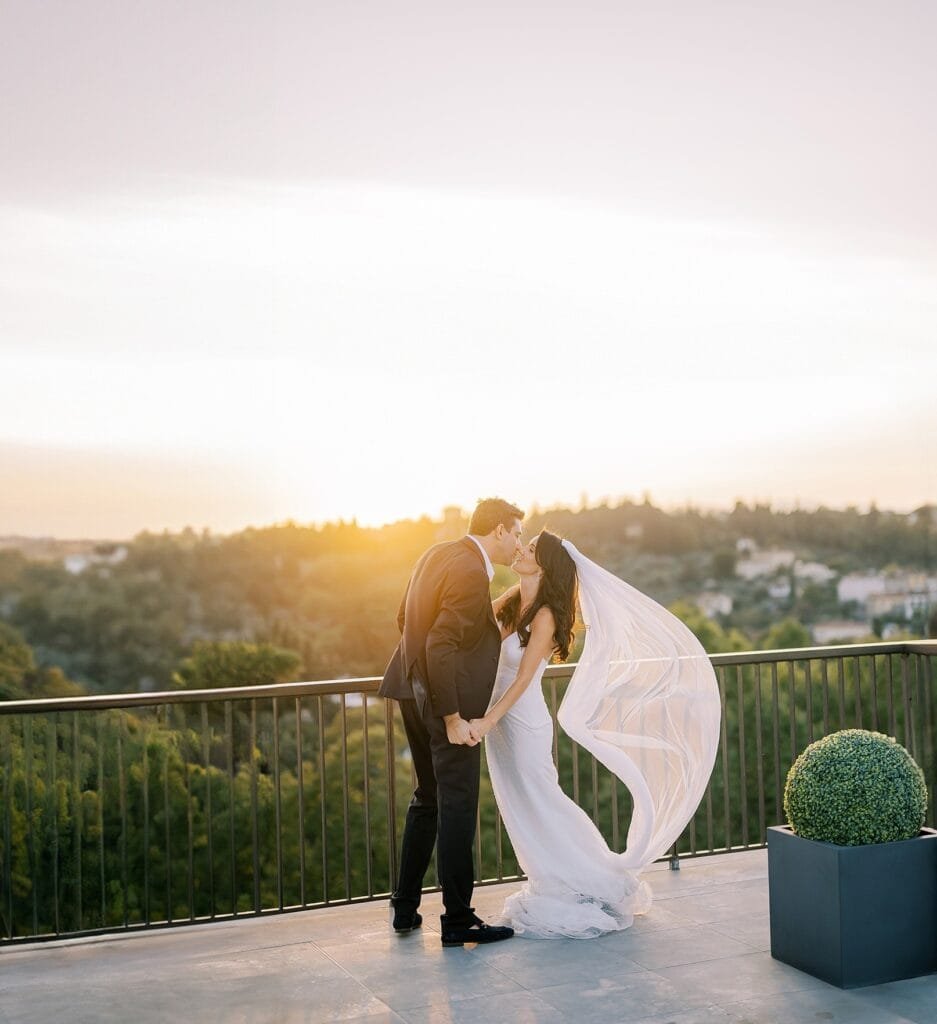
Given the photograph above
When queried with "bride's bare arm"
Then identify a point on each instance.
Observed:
(498, 603)
(540, 646)
(502, 599)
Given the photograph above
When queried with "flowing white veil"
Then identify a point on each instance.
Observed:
(644, 701)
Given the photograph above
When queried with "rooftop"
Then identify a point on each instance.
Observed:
(701, 955)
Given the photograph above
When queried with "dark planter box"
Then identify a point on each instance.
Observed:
(853, 915)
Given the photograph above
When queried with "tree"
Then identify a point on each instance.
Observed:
(723, 564)
(16, 661)
(216, 665)
(786, 634)
(711, 635)
(21, 679)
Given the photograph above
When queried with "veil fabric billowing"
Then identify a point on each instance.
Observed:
(644, 701)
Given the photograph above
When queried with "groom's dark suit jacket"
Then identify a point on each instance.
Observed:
(449, 639)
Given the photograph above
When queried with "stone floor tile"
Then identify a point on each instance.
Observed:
(243, 1001)
(659, 918)
(752, 929)
(629, 998)
(398, 952)
(696, 1015)
(721, 981)
(381, 1017)
(691, 945)
(811, 1006)
(916, 998)
(536, 963)
(513, 1007)
(721, 903)
(131, 965)
(433, 980)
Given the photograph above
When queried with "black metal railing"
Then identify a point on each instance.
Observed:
(131, 811)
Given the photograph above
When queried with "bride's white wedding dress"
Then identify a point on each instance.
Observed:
(576, 886)
(643, 699)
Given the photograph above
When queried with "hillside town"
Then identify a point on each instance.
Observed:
(882, 603)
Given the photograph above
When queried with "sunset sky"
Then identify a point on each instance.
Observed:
(269, 261)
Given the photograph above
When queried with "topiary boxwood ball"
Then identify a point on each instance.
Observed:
(855, 787)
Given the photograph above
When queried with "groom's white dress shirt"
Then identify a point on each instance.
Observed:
(489, 568)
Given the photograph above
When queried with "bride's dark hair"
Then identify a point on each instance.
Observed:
(557, 591)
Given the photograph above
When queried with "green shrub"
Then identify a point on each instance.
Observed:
(855, 787)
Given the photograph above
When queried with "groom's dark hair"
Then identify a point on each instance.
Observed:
(490, 512)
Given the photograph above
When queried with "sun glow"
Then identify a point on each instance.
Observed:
(380, 352)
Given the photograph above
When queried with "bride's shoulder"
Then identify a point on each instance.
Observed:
(543, 620)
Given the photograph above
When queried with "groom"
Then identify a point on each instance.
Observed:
(442, 674)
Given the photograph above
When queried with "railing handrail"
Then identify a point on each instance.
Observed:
(100, 701)
(369, 684)
(834, 651)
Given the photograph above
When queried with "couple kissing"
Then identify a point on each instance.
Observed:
(642, 699)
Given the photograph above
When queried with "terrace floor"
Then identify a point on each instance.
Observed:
(700, 956)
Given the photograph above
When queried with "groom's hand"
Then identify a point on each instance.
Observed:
(459, 731)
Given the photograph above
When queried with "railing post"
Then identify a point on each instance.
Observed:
(391, 793)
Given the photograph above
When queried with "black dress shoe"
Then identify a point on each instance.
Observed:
(406, 920)
(477, 932)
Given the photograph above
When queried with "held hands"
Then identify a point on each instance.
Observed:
(461, 732)
(481, 726)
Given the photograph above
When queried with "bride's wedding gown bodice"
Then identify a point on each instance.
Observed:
(530, 708)
(576, 886)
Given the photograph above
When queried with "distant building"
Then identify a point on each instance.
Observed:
(105, 556)
(815, 572)
(895, 593)
(912, 582)
(903, 605)
(763, 563)
(843, 630)
(780, 590)
(454, 523)
(926, 514)
(76, 564)
(714, 603)
(859, 587)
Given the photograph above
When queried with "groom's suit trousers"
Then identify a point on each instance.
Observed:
(444, 807)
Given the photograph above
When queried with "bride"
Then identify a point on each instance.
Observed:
(643, 700)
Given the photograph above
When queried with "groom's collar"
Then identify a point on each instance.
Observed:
(489, 568)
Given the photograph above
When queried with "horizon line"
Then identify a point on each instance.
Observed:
(440, 517)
